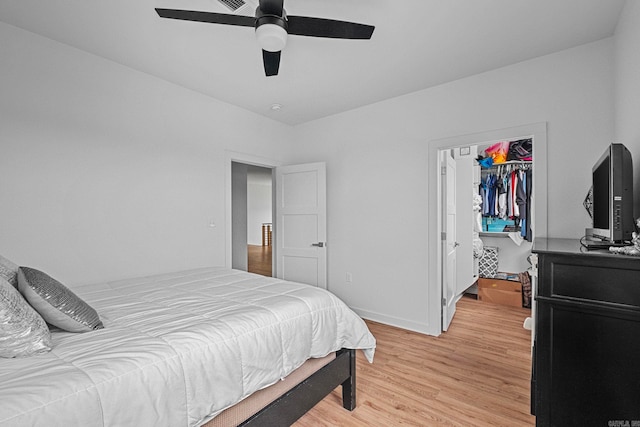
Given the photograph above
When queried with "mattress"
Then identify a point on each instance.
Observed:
(248, 407)
(177, 349)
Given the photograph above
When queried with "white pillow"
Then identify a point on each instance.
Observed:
(9, 271)
(56, 303)
(22, 331)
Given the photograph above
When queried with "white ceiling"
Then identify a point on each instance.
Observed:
(416, 44)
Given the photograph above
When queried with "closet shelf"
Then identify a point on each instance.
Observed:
(495, 233)
(497, 166)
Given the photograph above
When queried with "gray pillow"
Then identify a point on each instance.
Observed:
(22, 331)
(9, 271)
(56, 303)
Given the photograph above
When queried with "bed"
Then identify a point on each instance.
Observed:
(180, 349)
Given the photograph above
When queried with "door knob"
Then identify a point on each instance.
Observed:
(319, 244)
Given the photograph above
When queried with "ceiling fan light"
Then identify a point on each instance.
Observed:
(271, 37)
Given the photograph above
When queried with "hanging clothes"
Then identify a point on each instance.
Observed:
(521, 200)
(529, 189)
(506, 195)
(502, 198)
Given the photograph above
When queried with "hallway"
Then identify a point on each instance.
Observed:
(259, 259)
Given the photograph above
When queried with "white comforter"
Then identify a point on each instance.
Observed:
(176, 350)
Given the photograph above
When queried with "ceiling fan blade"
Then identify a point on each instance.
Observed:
(210, 17)
(271, 7)
(320, 27)
(271, 62)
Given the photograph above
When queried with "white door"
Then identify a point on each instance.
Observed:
(466, 165)
(300, 226)
(449, 280)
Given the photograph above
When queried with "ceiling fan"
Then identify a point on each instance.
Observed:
(272, 25)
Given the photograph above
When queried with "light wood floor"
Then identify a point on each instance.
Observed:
(259, 259)
(475, 374)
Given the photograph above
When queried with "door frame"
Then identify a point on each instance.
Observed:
(249, 159)
(434, 215)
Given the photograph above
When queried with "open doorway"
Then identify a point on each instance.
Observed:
(299, 215)
(259, 220)
(441, 301)
(252, 212)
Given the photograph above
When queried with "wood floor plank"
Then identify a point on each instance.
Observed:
(259, 259)
(476, 374)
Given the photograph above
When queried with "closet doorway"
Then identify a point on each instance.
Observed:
(443, 293)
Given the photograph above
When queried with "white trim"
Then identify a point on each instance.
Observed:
(249, 159)
(391, 320)
(539, 133)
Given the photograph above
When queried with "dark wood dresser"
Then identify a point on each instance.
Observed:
(586, 353)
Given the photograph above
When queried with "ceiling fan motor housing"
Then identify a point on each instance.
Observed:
(271, 31)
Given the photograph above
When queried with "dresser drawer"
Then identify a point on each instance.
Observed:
(594, 283)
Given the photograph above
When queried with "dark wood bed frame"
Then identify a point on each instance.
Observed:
(292, 405)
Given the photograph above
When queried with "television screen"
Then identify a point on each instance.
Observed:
(601, 187)
(612, 202)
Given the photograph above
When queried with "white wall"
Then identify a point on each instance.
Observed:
(259, 204)
(377, 168)
(106, 172)
(239, 198)
(627, 87)
(259, 211)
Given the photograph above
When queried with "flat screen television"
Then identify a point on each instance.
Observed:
(612, 202)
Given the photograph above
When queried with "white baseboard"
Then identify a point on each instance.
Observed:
(410, 325)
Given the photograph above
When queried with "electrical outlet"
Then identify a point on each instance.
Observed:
(349, 278)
